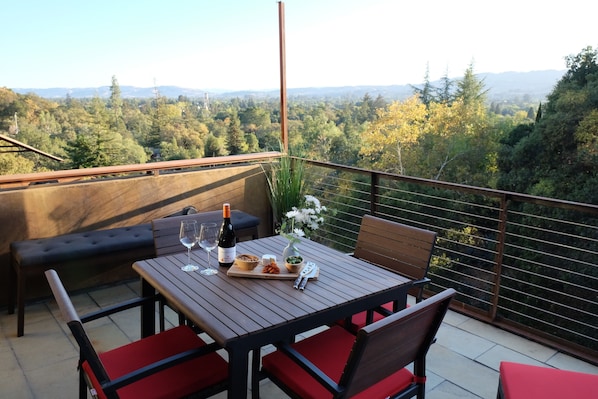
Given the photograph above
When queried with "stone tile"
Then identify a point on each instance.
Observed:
(135, 286)
(566, 362)
(42, 346)
(34, 313)
(269, 390)
(54, 348)
(108, 336)
(112, 295)
(448, 390)
(508, 340)
(463, 372)
(57, 380)
(432, 380)
(10, 365)
(499, 353)
(13, 384)
(454, 318)
(129, 323)
(462, 342)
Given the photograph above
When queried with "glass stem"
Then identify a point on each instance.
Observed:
(209, 265)
(188, 256)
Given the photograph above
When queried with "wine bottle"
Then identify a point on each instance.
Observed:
(227, 240)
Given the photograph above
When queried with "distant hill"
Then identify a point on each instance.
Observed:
(534, 86)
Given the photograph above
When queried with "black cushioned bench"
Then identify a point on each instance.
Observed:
(34, 257)
(122, 245)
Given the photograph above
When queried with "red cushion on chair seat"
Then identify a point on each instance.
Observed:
(329, 351)
(181, 380)
(522, 381)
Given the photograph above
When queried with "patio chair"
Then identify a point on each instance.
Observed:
(524, 381)
(337, 364)
(399, 247)
(172, 364)
(166, 237)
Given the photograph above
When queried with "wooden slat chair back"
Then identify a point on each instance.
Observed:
(166, 230)
(166, 234)
(153, 367)
(396, 246)
(371, 364)
(166, 242)
(404, 249)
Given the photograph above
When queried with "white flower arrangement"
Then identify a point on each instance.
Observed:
(302, 222)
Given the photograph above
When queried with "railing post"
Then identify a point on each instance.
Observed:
(498, 257)
(374, 184)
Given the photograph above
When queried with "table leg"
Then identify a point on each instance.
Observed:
(238, 360)
(148, 311)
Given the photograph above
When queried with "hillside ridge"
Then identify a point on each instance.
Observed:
(535, 85)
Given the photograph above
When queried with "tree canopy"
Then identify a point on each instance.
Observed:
(450, 132)
(557, 155)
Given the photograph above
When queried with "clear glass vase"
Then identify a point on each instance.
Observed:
(290, 250)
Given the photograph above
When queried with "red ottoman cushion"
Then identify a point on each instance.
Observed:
(522, 381)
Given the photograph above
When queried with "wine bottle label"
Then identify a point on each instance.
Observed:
(227, 255)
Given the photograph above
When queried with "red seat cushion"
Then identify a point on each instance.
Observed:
(174, 382)
(522, 381)
(329, 351)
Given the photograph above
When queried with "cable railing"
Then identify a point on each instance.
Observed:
(523, 263)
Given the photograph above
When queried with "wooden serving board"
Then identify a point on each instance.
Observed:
(235, 271)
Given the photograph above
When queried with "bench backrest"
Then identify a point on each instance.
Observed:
(388, 345)
(396, 246)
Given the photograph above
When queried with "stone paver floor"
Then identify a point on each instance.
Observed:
(463, 363)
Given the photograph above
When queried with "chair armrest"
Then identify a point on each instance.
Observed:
(308, 366)
(158, 366)
(119, 307)
(419, 283)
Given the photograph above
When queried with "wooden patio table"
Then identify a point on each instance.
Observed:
(243, 314)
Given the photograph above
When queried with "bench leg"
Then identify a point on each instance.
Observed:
(21, 303)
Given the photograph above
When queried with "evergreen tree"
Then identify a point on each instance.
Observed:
(116, 106)
(235, 142)
(444, 94)
(470, 89)
(425, 93)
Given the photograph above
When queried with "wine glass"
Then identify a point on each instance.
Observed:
(188, 237)
(208, 240)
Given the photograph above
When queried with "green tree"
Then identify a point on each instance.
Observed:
(555, 157)
(471, 90)
(11, 164)
(235, 142)
(115, 104)
(426, 93)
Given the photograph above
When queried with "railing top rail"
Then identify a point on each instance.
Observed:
(154, 167)
(500, 194)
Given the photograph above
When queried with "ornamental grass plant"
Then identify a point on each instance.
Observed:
(285, 183)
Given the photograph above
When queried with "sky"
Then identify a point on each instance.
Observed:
(234, 44)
